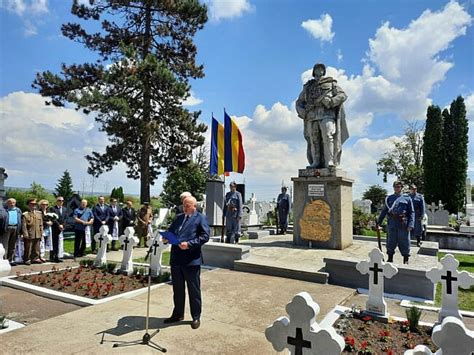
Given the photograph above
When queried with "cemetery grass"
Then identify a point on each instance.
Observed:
(362, 335)
(370, 233)
(94, 283)
(164, 261)
(465, 297)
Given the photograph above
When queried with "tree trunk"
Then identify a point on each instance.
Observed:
(146, 144)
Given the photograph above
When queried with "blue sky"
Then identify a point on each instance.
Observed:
(393, 58)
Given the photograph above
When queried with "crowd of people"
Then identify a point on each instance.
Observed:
(26, 236)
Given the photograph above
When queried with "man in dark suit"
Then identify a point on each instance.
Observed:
(57, 228)
(129, 216)
(115, 219)
(101, 214)
(193, 231)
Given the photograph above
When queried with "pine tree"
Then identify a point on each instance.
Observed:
(433, 156)
(146, 57)
(64, 187)
(376, 194)
(455, 139)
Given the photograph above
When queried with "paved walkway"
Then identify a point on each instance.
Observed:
(237, 309)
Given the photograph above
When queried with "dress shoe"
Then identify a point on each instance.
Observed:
(37, 261)
(12, 263)
(195, 324)
(57, 260)
(27, 262)
(42, 260)
(173, 319)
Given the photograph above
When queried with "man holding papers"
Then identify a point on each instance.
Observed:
(186, 234)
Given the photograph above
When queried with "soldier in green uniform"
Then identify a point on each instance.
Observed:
(32, 227)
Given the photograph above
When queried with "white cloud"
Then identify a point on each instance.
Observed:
(192, 100)
(29, 11)
(320, 29)
(43, 141)
(339, 56)
(228, 9)
(469, 102)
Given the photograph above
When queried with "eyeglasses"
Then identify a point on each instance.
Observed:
(60, 200)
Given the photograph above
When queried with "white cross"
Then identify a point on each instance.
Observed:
(156, 254)
(128, 240)
(451, 336)
(4, 264)
(300, 333)
(103, 237)
(160, 218)
(450, 279)
(377, 270)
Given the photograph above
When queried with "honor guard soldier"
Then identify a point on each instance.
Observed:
(401, 219)
(419, 207)
(233, 214)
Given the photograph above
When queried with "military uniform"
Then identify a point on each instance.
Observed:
(400, 216)
(32, 227)
(283, 206)
(419, 207)
(233, 215)
(145, 216)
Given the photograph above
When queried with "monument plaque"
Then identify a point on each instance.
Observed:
(315, 190)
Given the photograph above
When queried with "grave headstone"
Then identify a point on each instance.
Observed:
(377, 270)
(451, 336)
(4, 264)
(156, 253)
(253, 216)
(300, 333)
(128, 240)
(102, 238)
(469, 210)
(364, 205)
(159, 218)
(437, 215)
(450, 279)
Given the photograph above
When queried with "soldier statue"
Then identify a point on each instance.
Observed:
(401, 219)
(325, 129)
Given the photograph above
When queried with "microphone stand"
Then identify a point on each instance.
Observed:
(146, 339)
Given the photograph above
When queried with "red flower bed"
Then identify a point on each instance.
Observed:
(363, 335)
(88, 282)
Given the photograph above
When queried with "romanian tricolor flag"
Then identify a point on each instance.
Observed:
(233, 147)
(217, 148)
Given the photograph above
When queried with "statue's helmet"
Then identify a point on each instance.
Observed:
(319, 65)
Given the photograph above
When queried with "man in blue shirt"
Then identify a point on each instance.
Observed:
(84, 218)
(401, 219)
(13, 228)
(193, 231)
(419, 206)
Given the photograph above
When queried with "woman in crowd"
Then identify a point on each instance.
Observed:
(84, 219)
(46, 242)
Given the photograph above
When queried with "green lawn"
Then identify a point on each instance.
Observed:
(371, 233)
(465, 297)
(164, 261)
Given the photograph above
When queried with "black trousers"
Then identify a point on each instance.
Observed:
(55, 232)
(79, 242)
(191, 276)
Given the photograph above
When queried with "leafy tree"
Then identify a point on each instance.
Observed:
(146, 57)
(433, 156)
(455, 141)
(189, 177)
(64, 187)
(404, 161)
(118, 194)
(376, 194)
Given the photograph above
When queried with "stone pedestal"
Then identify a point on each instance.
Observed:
(214, 202)
(3, 176)
(322, 208)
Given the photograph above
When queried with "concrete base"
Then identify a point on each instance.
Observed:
(429, 248)
(12, 325)
(272, 270)
(258, 234)
(409, 281)
(451, 240)
(223, 255)
(466, 229)
(334, 194)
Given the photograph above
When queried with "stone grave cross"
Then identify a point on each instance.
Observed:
(300, 333)
(157, 247)
(450, 279)
(102, 238)
(4, 264)
(451, 336)
(377, 270)
(129, 240)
